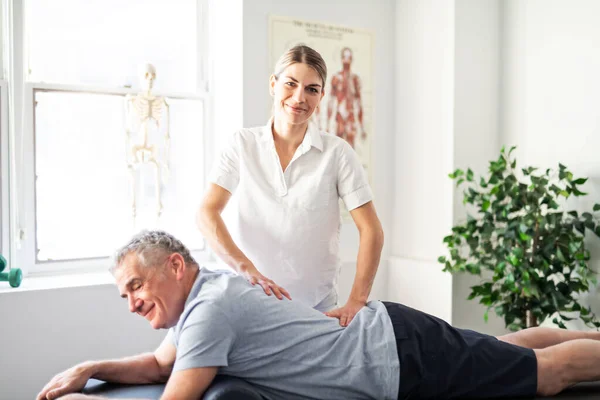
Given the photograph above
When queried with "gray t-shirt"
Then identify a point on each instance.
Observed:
(284, 348)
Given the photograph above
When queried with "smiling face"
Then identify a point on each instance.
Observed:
(296, 93)
(155, 293)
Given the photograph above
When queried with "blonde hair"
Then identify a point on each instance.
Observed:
(305, 55)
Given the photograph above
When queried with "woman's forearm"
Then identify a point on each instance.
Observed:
(369, 255)
(215, 232)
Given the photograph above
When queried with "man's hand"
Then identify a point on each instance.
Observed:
(346, 313)
(69, 381)
(79, 396)
(254, 277)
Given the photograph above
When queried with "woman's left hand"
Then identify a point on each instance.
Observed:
(346, 313)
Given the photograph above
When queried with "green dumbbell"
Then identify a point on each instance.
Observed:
(13, 277)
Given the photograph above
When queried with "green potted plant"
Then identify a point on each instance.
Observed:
(531, 252)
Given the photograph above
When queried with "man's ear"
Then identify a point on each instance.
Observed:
(177, 265)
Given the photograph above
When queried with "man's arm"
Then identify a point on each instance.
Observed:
(183, 385)
(144, 368)
(189, 383)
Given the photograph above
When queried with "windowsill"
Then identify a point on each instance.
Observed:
(59, 281)
(68, 280)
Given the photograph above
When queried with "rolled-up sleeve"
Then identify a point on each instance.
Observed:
(226, 169)
(352, 183)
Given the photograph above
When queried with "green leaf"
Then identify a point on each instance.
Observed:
(510, 279)
(518, 251)
(580, 181)
(596, 207)
(442, 259)
(579, 226)
(584, 311)
(524, 237)
(560, 255)
(574, 247)
(485, 205)
(473, 269)
(469, 175)
(514, 327)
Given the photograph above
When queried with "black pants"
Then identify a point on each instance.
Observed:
(438, 361)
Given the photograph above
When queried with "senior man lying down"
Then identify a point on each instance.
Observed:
(220, 324)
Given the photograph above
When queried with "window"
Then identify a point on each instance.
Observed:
(73, 189)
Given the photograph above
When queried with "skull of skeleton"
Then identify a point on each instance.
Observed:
(147, 74)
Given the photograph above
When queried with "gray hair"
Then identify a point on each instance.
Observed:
(151, 248)
(305, 55)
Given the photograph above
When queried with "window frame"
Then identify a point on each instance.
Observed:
(22, 231)
(5, 169)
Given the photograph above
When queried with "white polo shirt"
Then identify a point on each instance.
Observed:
(288, 222)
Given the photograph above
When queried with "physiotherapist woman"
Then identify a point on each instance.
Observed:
(283, 231)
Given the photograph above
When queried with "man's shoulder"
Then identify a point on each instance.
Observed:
(209, 294)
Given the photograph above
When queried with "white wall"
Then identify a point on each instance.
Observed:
(46, 331)
(377, 16)
(476, 128)
(422, 213)
(552, 92)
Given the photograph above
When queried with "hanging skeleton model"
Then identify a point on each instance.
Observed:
(146, 116)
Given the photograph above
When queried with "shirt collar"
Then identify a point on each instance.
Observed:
(311, 138)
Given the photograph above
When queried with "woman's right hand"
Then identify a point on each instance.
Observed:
(253, 276)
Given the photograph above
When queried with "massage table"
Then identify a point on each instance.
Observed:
(222, 388)
(228, 388)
